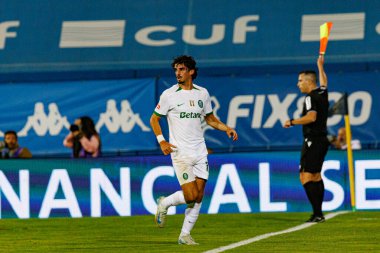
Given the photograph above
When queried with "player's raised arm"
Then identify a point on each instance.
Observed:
(321, 70)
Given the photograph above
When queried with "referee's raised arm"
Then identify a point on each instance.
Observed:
(321, 70)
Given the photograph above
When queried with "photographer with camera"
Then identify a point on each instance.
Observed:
(83, 138)
(9, 148)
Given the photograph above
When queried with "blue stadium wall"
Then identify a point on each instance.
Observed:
(257, 106)
(61, 60)
(64, 59)
(48, 40)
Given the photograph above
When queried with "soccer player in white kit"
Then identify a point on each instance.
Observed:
(184, 105)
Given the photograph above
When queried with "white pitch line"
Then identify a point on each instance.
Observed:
(265, 236)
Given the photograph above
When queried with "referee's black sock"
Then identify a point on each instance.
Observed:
(321, 193)
(311, 190)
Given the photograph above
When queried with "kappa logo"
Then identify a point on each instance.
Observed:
(125, 120)
(42, 123)
(52, 122)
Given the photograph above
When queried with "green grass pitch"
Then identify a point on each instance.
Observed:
(350, 232)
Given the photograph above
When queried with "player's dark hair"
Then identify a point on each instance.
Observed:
(188, 61)
(310, 73)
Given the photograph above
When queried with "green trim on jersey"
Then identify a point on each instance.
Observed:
(159, 115)
(179, 88)
(209, 113)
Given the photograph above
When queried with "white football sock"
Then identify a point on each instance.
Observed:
(191, 216)
(175, 199)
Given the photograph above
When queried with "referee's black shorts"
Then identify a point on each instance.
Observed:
(314, 150)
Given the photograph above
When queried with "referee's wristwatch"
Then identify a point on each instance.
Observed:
(291, 122)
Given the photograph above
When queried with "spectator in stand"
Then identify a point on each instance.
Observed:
(341, 141)
(83, 138)
(10, 148)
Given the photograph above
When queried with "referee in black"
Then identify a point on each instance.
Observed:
(315, 144)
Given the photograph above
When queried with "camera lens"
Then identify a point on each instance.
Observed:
(74, 128)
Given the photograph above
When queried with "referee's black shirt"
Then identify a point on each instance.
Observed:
(316, 100)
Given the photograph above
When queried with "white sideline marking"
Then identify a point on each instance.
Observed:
(264, 236)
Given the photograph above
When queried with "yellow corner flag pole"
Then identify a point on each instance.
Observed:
(350, 161)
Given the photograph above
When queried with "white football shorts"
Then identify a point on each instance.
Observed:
(187, 168)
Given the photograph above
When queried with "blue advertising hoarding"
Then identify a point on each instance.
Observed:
(259, 106)
(41, 113)
(125, 186)
(111, 35)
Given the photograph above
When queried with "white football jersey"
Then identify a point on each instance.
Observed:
(185, 110)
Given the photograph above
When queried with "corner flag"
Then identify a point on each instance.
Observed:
(341, 108)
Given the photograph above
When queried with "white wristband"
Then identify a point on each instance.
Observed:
(160, 138)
